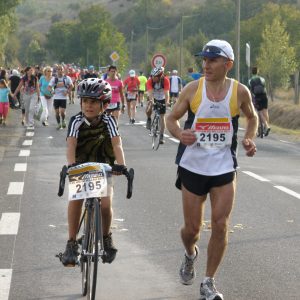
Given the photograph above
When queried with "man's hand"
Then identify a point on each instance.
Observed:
(187, 137)
(249, 146)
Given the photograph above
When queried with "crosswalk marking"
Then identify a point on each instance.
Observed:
(9, 224)
(20, 167)
(15, 188)
(29, 133)
(5, 280)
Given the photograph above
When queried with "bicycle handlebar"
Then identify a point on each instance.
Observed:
(128, 173)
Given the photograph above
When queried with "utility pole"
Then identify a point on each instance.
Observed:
(238, 38)
(131, 47)
(181, 47)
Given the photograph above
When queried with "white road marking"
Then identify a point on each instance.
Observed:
(15, 188)
(175, 140)
(29, 133)
(20, 167)
(286, 142)
(5, 280)
(288, 191)
(255, 176)
(27, 143)
(9, 224)
(24, 153)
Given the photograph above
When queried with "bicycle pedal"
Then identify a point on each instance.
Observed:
(59, 255)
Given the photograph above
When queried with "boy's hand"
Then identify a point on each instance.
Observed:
(118, 169)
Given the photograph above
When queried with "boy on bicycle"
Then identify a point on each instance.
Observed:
(92, 137)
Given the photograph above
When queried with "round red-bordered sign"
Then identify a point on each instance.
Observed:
(158, 60)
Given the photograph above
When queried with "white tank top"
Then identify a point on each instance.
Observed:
(211, 154)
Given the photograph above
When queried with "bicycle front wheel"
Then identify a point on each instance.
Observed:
(93, 251)
(155, 130)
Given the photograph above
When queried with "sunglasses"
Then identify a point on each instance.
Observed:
(214, 51)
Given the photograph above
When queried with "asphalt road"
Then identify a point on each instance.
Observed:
(262, 260)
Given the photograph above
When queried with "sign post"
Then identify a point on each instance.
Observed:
(248, 58)
(158, 60)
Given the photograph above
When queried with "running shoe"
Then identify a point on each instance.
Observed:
(63, 124)
(187, 271)
(208, 290)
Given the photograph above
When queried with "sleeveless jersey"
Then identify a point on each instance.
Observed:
(216, 125)
(93, 142)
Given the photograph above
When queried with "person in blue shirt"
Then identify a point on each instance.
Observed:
(4, 101)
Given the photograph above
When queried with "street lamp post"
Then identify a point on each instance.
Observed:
(181, 63)
(238, 30)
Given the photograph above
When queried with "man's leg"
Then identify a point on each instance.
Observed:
(193, 207)
(222, 199)
(107, 214)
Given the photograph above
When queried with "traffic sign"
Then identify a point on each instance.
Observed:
(114, 56)
(158, 60)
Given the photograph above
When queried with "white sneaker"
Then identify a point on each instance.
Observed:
(187, 272)
(208, 291)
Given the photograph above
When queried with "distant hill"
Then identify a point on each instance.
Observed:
(37, 15)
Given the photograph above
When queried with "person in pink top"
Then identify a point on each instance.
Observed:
(114, 107)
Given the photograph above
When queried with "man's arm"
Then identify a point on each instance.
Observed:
(246, 105)
(187, 136)
(71, 149)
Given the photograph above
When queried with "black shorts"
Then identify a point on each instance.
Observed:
(200, 184)
(141, 92)
(59, 103)
(261, 102)
(161, 109)
(174, 95)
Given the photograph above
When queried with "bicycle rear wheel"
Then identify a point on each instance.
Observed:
(93, 251)
(155, 130)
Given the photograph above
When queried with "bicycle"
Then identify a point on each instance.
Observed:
(155, 128)
(91, 182)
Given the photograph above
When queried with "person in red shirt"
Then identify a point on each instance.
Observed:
(74, 76)
(131, 86)
(158, 86)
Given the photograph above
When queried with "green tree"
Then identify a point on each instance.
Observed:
(276, 58)
(35, 54)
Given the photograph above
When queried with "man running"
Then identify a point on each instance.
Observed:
(206, 157)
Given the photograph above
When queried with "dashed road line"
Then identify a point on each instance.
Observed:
(5, 280)
(27, 143)
(15, 188)
(282, 188)
(256, 176)
(9, 224)
(288, 191)
(24, 153)
(20, 167)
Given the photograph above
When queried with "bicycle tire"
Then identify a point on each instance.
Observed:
(83, 260)
(94, 250)
(155, 132)
(83, 267)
